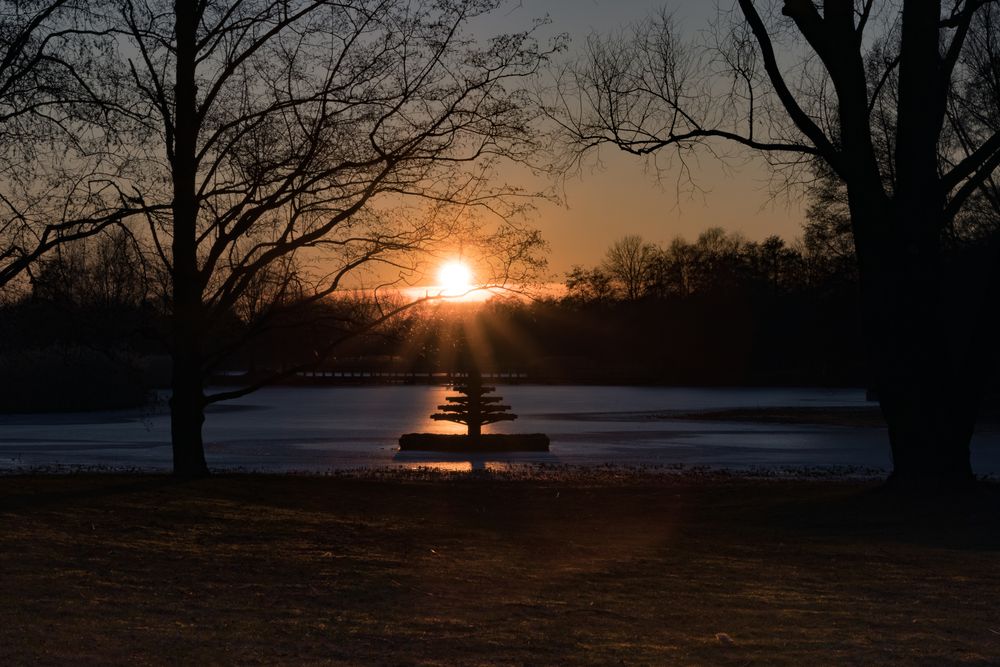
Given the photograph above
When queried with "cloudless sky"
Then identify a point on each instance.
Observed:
(623, 196)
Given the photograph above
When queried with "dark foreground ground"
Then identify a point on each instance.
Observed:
(289, 570)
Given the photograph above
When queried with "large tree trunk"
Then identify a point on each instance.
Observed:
(925, 349)
(930, 403)
(187, 408)
(919, 313)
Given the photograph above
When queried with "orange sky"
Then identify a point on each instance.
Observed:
(624, 198)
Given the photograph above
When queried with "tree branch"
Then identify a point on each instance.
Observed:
(803, 122)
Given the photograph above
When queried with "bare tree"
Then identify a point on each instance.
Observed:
(896, 99)
(58, 164)
(276, 130)
(630, 262)
(589, 284)
(103, 271)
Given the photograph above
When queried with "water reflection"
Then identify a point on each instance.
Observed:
(324, 428)
(467, 463)
(432, 398)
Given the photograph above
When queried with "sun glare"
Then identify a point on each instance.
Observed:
(454, 278)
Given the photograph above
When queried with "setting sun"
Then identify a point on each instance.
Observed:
(455, 278)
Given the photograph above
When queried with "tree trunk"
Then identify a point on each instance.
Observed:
(921, 310)
(929, 440)
(187, 408)
(925, 351)
(187, 414)
(930, 403)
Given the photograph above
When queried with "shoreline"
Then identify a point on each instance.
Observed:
(498, 471)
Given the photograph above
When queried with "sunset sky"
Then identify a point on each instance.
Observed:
(623, 197)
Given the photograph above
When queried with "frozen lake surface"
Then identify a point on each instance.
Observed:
(327, 428)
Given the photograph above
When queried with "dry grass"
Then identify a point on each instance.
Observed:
(282, 570)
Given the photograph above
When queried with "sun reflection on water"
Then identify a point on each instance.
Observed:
(424, 423)
(440, 466)
(457, 467)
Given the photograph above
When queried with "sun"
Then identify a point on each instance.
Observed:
(455, 278)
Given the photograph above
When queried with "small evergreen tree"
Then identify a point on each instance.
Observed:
(474, 408)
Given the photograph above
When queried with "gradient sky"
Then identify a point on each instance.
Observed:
(623, 197)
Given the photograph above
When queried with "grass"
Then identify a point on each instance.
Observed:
(282, 569)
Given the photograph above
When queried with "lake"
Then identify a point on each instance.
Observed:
(317, 429)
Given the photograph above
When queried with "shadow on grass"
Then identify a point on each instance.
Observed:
(968, 521)
(740, 510)
(282, 569)
(75, 490)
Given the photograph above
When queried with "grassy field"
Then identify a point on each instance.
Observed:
(293, 570)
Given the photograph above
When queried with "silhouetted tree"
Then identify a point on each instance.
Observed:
(827, 230)
(675, 269)
(630, 263)
(299, 126)
(474, 408)
(905, 117)
(772, 265)
(589, 284)
(716, 255)
(59, 153)
(105, 271)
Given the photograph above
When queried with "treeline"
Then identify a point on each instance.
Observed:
(718, 310)
(93, 330)
(717, 261)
